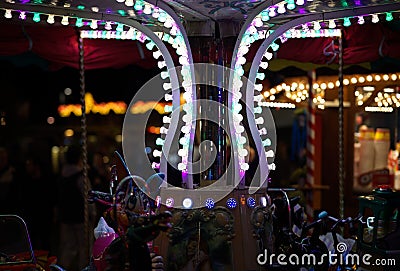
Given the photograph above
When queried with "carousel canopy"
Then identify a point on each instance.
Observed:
(370, 28)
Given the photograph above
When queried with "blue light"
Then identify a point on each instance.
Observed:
(231, 203)
(251, 202)
(209, 203)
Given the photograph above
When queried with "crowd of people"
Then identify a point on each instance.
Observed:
(52, 203)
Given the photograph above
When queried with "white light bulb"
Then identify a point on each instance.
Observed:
(239, 129)
(332, 24)
(361, 20)
(93, 24)
(258, 22)
(269, 154)
(260, 120)
(181, 166)
(64, 20)
(264, 65)
(167, 86)
(187, 202)
(8, 14)
(186, 129)
(108, 26)
(281, 9)
(168, 97)
(129, 3)
(375, 18)
(147, 9)
(268, 55)
(244, 166)
(164, 74)
(258, 98)
(50, 19)
(183, 152)
(263, 131)
(157, 54)
(242, 152)
(163, 130)
(168, 23)
(157, 153)
(317, 26)
(258, 87)
(166, 119)
(241, 60)
(161, 64)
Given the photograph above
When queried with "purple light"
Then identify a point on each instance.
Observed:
(357, 2)
(169, 202)
(302, 11)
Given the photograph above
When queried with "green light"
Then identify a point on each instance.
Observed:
(36, 17)
(346, 22)
(274, 46)
(121, 12)
(81, 7)
(389, 16)
(120, 28)
(344, 4)
(290, 4)
(79, 22)
(150, 45)
(264, 16)
(138, 5)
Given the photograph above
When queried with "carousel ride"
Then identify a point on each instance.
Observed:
(218, 144)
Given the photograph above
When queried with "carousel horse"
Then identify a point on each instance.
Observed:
(129, 225)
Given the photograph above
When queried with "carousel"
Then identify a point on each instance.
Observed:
(202, 198)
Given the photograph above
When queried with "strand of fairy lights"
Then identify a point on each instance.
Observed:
(297, 90)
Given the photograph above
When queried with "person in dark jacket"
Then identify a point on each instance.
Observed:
(71, 199)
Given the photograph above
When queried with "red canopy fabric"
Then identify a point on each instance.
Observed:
(362, 43)
(59, 45)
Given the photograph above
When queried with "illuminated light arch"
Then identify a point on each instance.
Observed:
(189, 89)
(271, 36)
(148, 34)
(237, 63)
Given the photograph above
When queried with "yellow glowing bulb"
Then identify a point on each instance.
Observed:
(369, 78)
